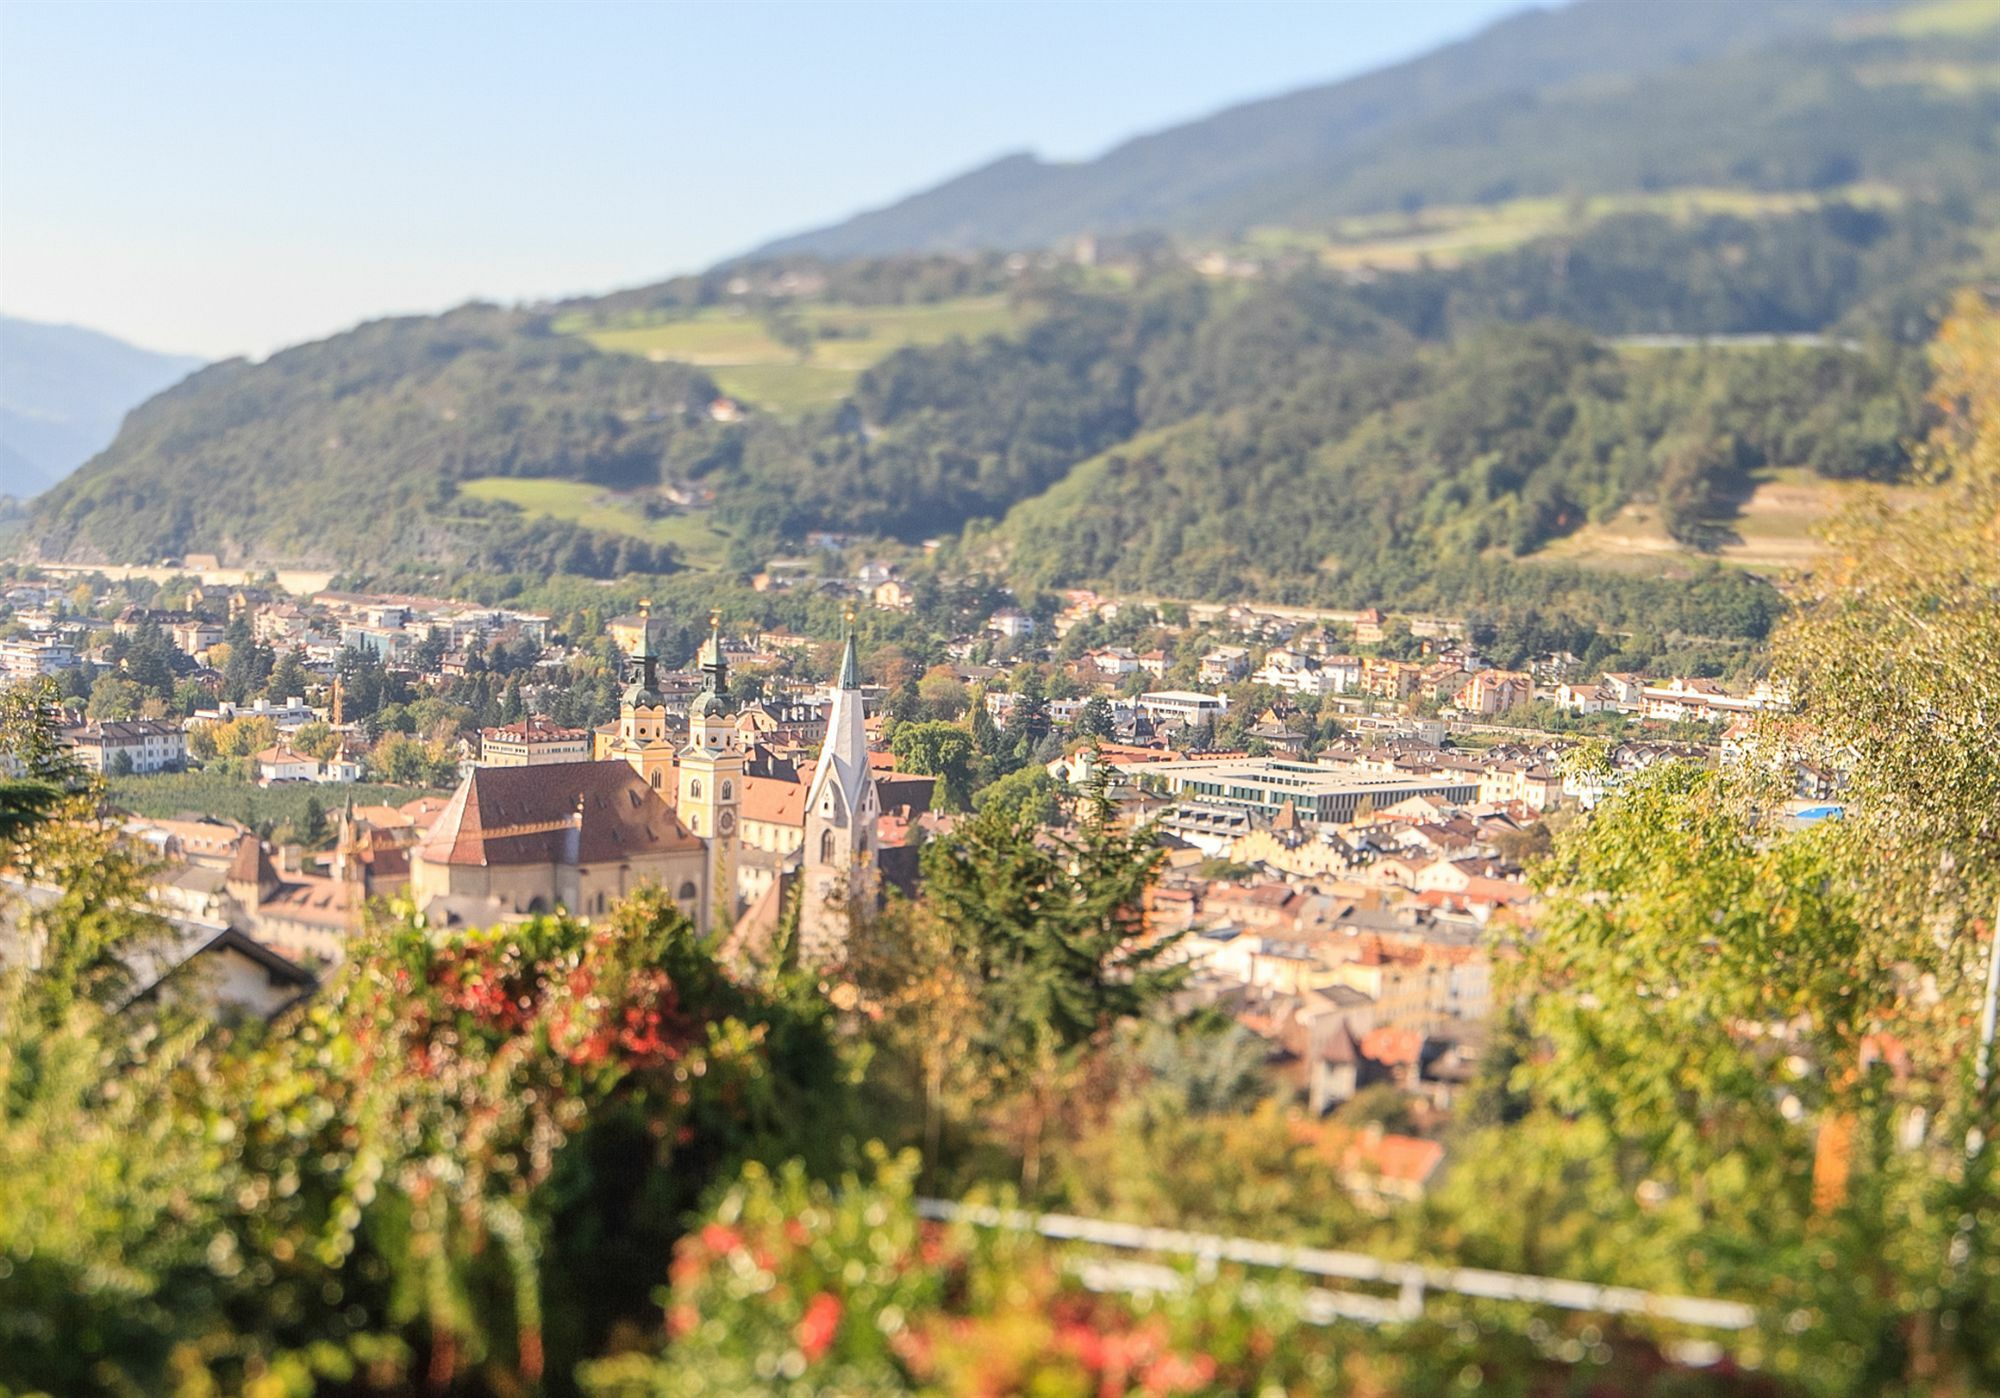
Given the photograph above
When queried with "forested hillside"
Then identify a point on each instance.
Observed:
(935, 438)
(1419, 478)
(348, 449)
(1292, 420)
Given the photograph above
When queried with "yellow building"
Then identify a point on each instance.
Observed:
(639, 737)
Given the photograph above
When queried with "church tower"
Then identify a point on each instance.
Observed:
(711, 787)
(640, 736)
(838, 874)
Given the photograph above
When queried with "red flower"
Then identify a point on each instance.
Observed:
(718, 1239)
(819, 1325)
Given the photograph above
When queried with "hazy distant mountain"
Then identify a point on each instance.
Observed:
(1598, 96)
(63, 392)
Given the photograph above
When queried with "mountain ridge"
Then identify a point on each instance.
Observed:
(1178, 178)
(64, 393)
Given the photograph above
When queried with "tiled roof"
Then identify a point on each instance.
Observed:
(524, 815)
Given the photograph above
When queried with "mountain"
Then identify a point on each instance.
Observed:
(63, 392)
(349, 449)
(1601, 96)
(1473, 428)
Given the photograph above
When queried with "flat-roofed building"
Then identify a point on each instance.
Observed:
(1187, 705)
(1320, 791)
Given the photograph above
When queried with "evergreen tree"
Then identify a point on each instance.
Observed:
(288, 678)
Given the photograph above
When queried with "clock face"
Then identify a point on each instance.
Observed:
(726, 823)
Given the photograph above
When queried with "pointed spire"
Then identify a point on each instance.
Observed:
(645, 664)
(644, 650)
(850, 670)
(714, 668)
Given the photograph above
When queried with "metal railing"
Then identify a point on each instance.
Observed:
(1412, 1280)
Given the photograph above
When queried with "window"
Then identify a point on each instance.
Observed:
(656, 781)
(826, 847)
(687, 893)
(728, 791)
(694, 789)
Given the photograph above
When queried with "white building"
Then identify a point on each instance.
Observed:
(1187, 705)
(139, 746)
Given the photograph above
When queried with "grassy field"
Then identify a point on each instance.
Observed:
(701, 544)
(170, 794)
(739, 349)
(1452, 233)
(1772, 532)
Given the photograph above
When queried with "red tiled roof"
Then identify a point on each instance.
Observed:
(524, 815)
(774, 800)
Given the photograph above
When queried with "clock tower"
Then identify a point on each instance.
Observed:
(710, 796)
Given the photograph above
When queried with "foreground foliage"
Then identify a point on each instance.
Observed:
(464, 1159)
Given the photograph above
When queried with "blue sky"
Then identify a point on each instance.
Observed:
(221, 178)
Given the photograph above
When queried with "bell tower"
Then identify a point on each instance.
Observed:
(710, 790)
(639, 738)
(838, 874)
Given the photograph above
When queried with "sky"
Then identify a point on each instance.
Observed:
(223, 179)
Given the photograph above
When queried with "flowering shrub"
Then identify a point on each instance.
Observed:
(460, 1167)
(795, 1287)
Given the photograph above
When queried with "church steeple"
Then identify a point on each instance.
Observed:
(850, 672)
(714, 669)
(644, 664)
(842, 808)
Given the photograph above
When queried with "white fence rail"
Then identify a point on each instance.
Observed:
(1411, 1279)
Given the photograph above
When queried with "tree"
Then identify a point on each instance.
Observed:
(1028, 720)
(288, 679)
(1028, 795)
(1890, 659)
(312, 825)
(39, 769)
(114, 697)
(941, 750)
(1053, 933)
(1095, 719)
(942, 693)
(400, 759)
(316, 740)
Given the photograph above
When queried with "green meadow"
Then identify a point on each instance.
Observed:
(741, 349)
(1453, 233)
(700, 543)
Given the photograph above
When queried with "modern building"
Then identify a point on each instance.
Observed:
(1320, 791)
(1187, 705)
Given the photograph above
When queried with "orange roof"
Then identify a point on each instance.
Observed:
(1384, 1154)
(774, 801)
(1393, 1046)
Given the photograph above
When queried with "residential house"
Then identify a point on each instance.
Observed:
(135, 746)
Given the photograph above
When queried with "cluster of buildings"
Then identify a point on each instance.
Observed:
(736, 822)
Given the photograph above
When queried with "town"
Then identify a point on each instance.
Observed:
(1347, 800)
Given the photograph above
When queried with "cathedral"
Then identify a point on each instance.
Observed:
(733, 832)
